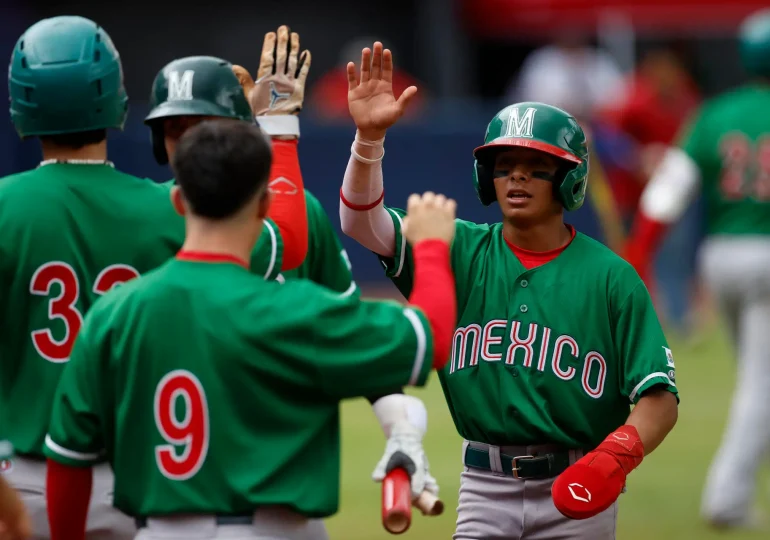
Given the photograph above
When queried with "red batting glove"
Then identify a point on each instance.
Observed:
(595, 481)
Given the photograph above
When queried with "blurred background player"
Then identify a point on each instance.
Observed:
(554, 417)
(725, 154)
(74, 227)
(403, 418)
(201, 327)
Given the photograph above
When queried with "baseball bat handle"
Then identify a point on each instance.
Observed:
(396, 502)
(429, 504)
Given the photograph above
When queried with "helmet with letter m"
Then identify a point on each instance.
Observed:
(194, 86)
(65, 77)
(754, 40)
(540, 127)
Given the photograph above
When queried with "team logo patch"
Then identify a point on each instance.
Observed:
(579, 493)
(672, 375)
(283, 186)
(276, 96)
(6, 466)
(669, 357)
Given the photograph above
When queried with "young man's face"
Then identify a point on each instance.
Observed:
(175, 126)
(524, 185)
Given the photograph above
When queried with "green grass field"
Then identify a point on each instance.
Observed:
(663, 495)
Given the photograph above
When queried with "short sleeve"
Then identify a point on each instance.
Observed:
(355, 347)
(328, 261)
(400, 267)
(75, 434)
(641, 345)
(267, 257)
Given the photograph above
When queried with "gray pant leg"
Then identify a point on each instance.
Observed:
(106, 522)
(28, 478)
(503, 508)
(736, 270)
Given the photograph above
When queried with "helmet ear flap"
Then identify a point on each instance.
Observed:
(158, 143)
(483, 182)
(572, 190)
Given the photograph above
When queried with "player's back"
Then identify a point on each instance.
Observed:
(70, 232)
(730, 142)
(252, 417)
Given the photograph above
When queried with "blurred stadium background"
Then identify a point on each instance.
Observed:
(632, 70)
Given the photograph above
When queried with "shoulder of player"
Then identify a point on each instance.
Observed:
(603, 259)
(125, 296)
(725, 102)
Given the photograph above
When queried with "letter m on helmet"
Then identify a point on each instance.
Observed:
(180, 86)
(520, 126)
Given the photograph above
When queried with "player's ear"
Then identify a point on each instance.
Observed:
(264, 203)
(177, 201)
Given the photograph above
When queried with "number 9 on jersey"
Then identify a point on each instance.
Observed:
(185, 426)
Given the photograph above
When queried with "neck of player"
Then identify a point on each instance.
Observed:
(90, 152)
(234, 237)
(546, 235)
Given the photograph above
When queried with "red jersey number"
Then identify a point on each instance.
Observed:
(745, 167)
(191, 432)
(63, 306)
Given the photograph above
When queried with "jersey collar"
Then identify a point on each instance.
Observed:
(206, 257)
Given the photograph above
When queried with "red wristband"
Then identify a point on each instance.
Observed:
(626, 445)
(361, 207)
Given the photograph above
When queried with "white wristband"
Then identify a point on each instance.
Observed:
(362, 159)
(283, 124)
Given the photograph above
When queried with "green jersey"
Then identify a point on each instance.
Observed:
(227, 387)
(554, 354)
(729, 140)
(69, 234)
(327, 262)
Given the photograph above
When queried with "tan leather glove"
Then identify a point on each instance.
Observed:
(280, 85)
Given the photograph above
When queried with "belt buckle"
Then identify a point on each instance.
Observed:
(515, 462)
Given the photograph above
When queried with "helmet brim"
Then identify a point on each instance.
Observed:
(192, 107)
(521, 142)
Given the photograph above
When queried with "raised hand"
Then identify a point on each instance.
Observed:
(371, 102)
(429, 217)
(280, 85)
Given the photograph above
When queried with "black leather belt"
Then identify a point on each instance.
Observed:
(248, 519)
(546, 465)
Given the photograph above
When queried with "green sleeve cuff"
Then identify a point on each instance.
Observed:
(73, 458)
(653, 379)
(423, 362)
(395, 265)
(6, 450)
(275, 261)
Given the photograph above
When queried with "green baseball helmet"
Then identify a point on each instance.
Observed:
(540, 127)
(65, 76)
(754, 37)
(194, 86)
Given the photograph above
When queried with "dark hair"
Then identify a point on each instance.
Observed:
(78, 140)
(220, 166)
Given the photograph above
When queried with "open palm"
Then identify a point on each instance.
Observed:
(371, 102)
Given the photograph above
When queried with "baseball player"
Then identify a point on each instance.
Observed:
(73, 228)
(228, 385)
(403, 418)
(555, 337)
(725, 153)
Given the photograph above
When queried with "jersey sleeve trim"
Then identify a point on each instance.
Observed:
(646, 383)
(350, 290)
(274, 253)
(70, 454)
(402, 255)
(422, 346)
(6, 450)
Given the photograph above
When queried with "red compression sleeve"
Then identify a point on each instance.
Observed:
(68, 492)
(434, 293)
(644, 240)
(288, 207)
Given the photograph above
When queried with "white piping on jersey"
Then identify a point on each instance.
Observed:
(402, 255)
(419, 357)
(647, 378)
(76, 162)
(49, 442)
(350, 290)
(274, 254)
(672, 188)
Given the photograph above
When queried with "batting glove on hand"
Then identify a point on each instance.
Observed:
(280, 85)
(404, 450)
(595, 481)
